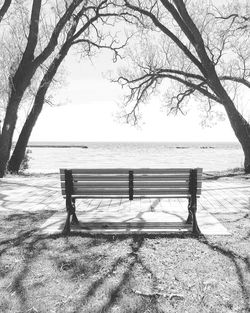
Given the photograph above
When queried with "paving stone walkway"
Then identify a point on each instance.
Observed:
(19, 195)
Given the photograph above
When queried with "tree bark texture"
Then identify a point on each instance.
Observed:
(241, 129)
(19, 84)
(23, 139)
(239, 125)
(7, 134)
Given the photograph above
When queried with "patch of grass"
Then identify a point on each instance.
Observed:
(122, 274)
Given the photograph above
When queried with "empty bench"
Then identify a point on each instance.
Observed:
(131, 184)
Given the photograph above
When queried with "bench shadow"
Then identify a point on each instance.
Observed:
(139, 216)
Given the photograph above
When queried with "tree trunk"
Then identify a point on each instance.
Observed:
(23, 139)
(19, 84)
(239, 125)
(7, 132)
(242, 131)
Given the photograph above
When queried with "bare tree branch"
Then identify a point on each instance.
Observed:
(236, 79)
(166, 31)
(54, 37)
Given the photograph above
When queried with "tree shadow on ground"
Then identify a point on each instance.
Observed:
(130, 260)
(32, 245)
(241, 265)
(90, 263)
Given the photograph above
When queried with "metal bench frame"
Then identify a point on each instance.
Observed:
(67, 183)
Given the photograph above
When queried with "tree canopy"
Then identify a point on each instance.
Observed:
(167, 57)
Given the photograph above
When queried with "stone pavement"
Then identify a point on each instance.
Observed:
(20, 195)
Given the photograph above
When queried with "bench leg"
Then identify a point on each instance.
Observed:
(190, 214)
(193, 207)
(70, 206)
(66, 229)
(196, 229)
(74, 220)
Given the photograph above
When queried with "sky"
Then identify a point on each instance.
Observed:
(89, 106)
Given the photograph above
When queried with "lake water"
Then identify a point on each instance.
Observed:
(209, 155)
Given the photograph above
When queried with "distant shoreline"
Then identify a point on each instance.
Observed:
(85, 147)
(57, 146)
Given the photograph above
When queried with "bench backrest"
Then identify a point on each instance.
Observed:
(131, 183)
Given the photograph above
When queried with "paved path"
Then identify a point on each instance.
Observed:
(219, 197)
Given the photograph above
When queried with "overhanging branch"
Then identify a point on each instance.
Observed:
(167, 32)
(237, 80)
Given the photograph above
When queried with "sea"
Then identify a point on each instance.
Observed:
(49, 157)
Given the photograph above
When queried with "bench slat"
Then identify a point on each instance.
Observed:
(99, 191)
(126, 197)
(135, 170)
(162, 178)
(150, 192)
(141, 192)
(137, 184)
(125, 178)
(99, 184)
(98, 178)
(121, 191)
(100, 196)
(163, 184)
(164, 190)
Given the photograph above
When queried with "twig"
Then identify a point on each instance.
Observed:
(158, 294)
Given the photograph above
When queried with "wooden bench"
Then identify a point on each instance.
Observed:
(131, 184)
